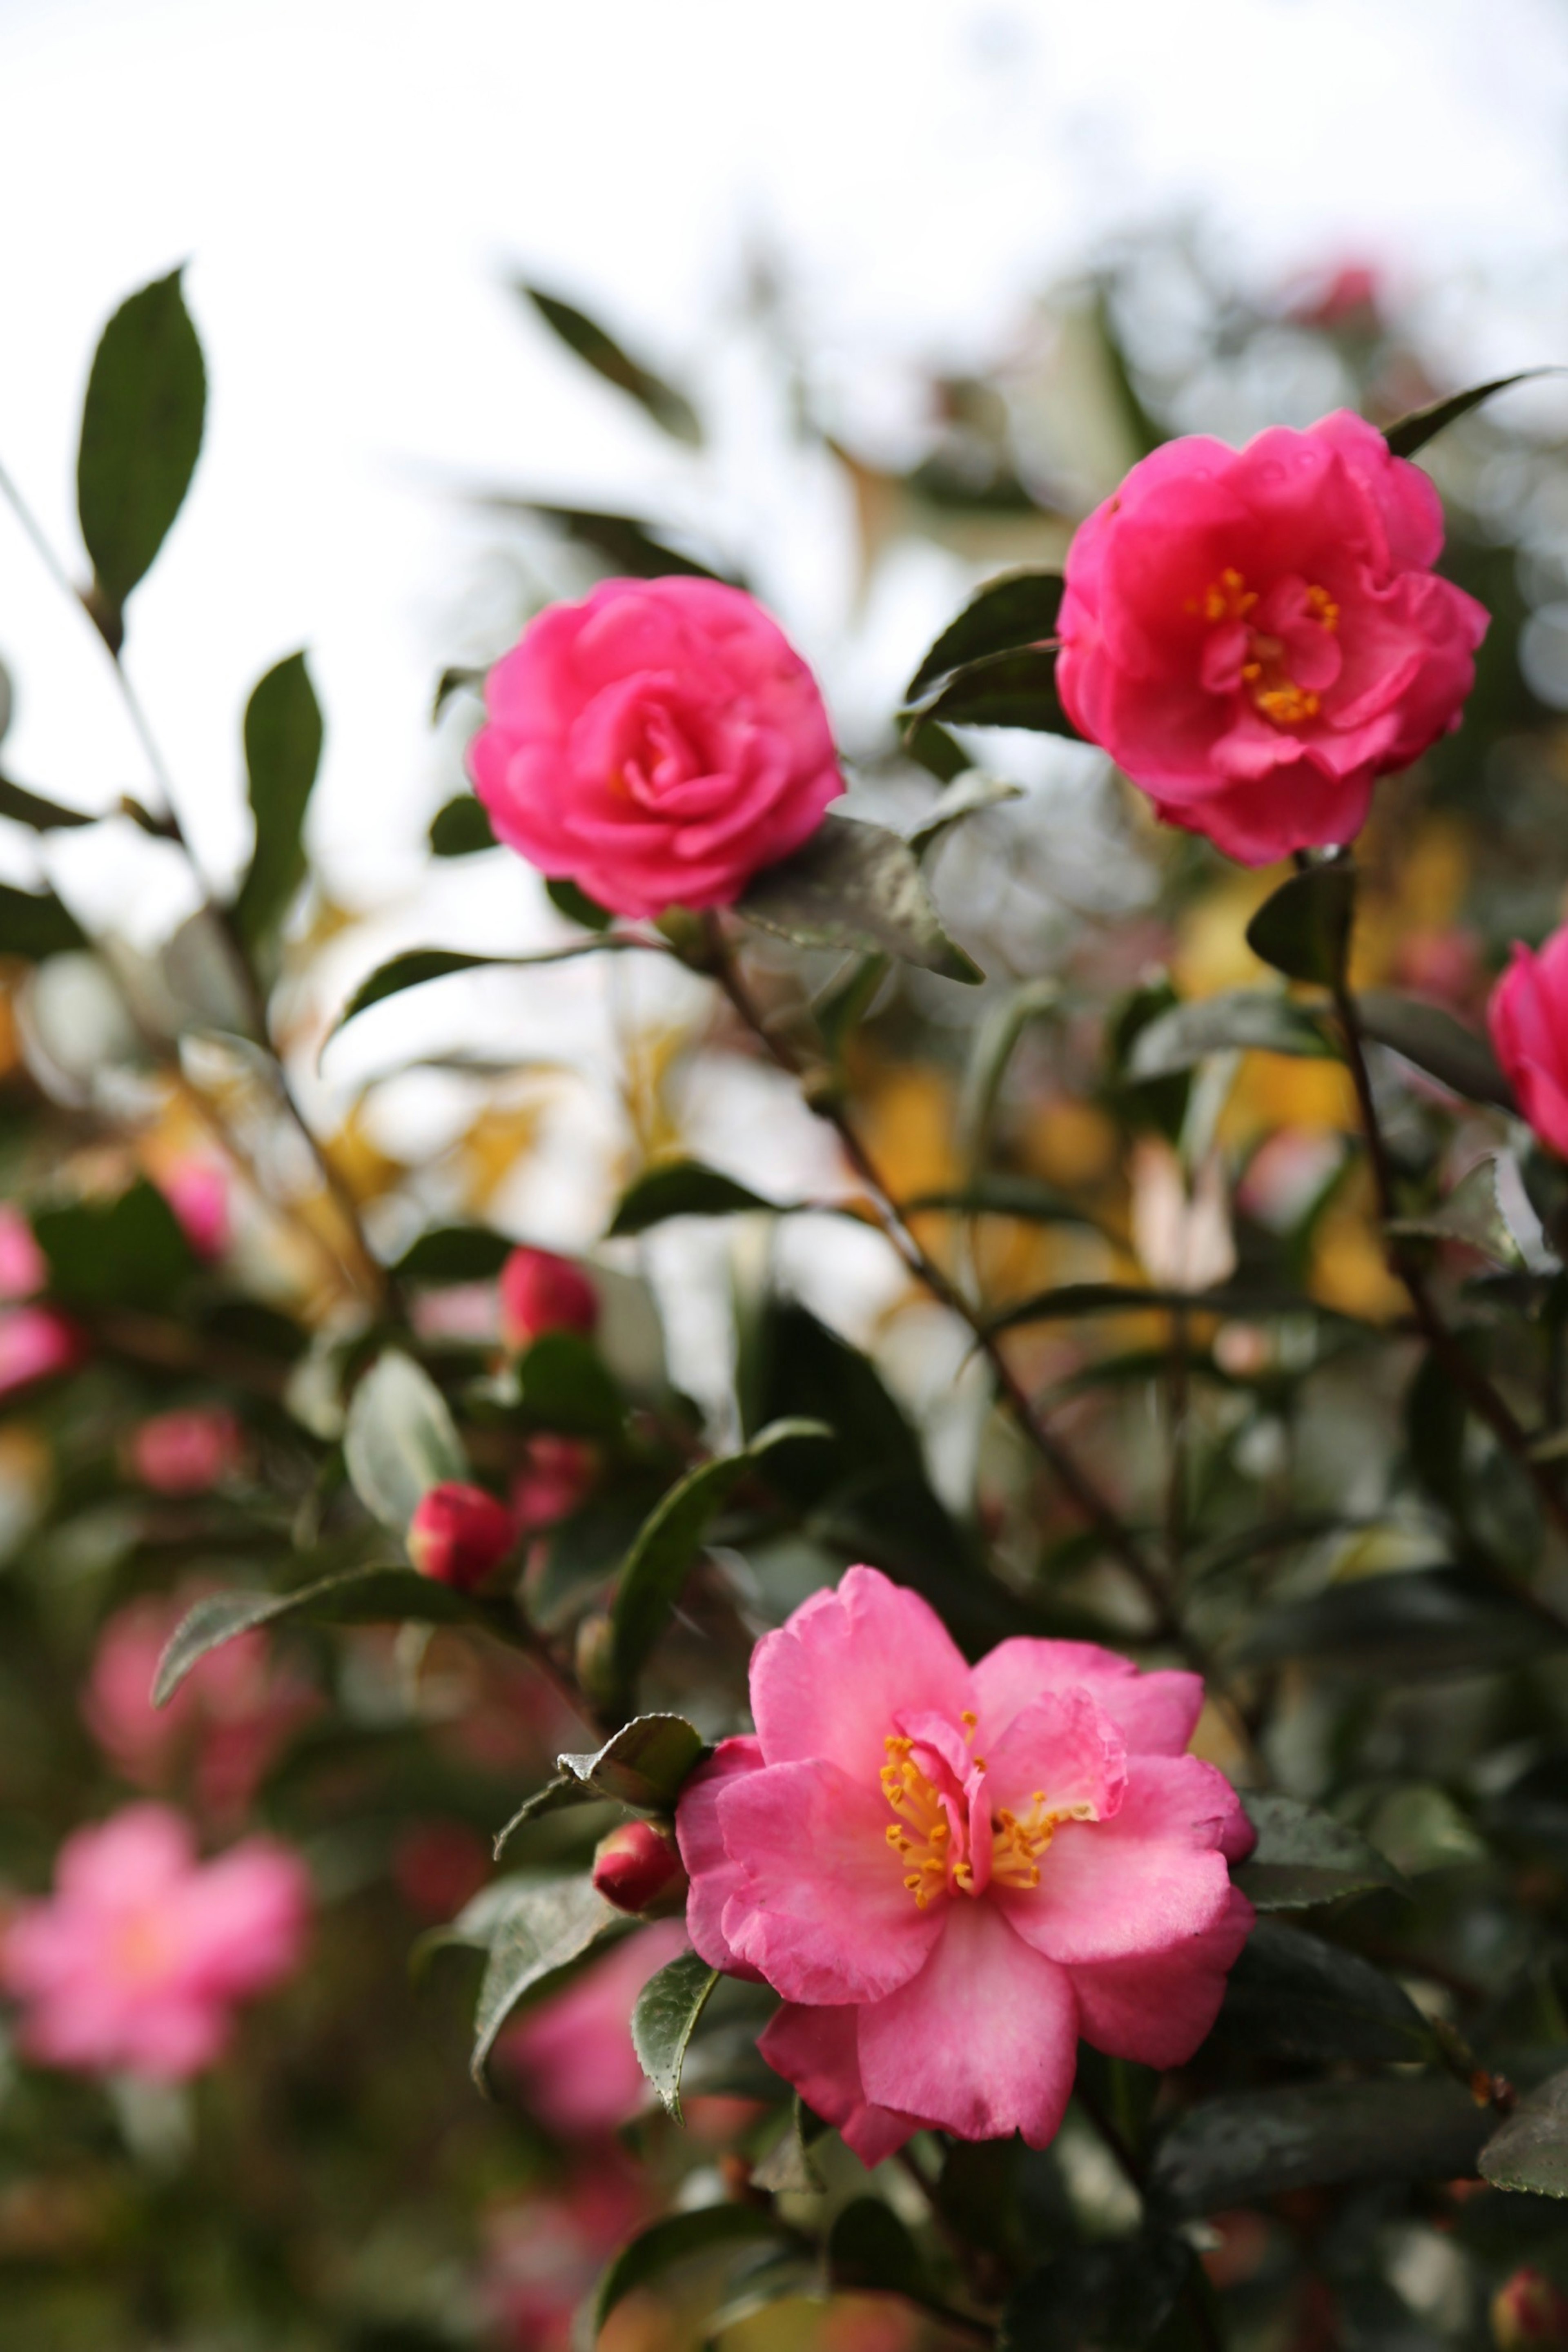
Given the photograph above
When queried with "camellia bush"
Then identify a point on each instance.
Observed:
(1012, 1791)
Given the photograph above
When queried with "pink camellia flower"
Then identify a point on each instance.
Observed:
(197, 1191)
(571, 2055)
(655, 743)
(186, 1452)
(226, 1726)
(952, 1874)
(23, 1268)
(555, 1476)
(458, 1533)
(135, 1964)
(1528, 1017)
(35, 1343)
(540, 1292)
(1257, 635)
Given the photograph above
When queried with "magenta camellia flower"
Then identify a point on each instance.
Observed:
(137, 1962)
(460, 1534)
(1257, 635)
(951, 1873)
(1528, 1017)
(540, 1292)
(656, 744)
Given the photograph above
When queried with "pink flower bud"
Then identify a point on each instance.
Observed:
(540, 1292)
(458, 1533)
(1529, 2313)
(639, 1868)
(186, 1453)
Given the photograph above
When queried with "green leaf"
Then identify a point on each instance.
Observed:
(934, 750)
(359, 1596)
(1304, 929)
(996, 1039)
(1029, 1198)
(970, 794)
(840, 1011)
(1238, 1020)
(461, 828)
(130, 1252)
(1531, 2151)
(414, 966)
(1012, 690)
(854, 885)
(671, 1538)
(459, 679)
(141, 434)
(681, 1188)
(628, 545)
(1424, 1033)
(1413, 432)
(565, 1384)
(677, 2238)
(666, 2013)
(549, 1924)
(1075, 1299)
(34, 924)
(869, 2251)
(576, 905)
(24, 807)
(1116, 2297)
(668, 408)
(644, 1764)
(1252, 2145)
(282, 752)
(1472, 1214)
(1411, 1625)
(454, 1254)
(1304, 1857)
(1292, 1996)
(399, 1440)
(1018, 608)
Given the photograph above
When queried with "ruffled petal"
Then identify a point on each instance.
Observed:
(1158, 2009)
(830, 1683)
(817, 2050)
(715, 1878)
(1151, 1876)
(1155, 1713)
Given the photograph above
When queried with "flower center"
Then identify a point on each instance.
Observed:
(944, 1832)
(1265, 675)
(141, 1949)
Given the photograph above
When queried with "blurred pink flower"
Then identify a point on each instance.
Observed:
(1528, 1017)
(952, 1874)
(1445, 965)
(1257, 635)
(188, 1451)
(226, 1723)
(437, 1866)
(571, 2055)
(22, 1268)
(540, 1292)
(136, 1962)
(655, 743)
(460, 1534)
(555, 1476)
(544, 2252)
(1348, 294)
(197, 1191)
(35, 1344)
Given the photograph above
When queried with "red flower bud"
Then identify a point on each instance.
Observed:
(639, 1868)
(1529, 2313)
(458, 1533)
(539, 1293)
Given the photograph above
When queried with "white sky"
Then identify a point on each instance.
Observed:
(351, 182)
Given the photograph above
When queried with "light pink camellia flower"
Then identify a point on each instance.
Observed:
(1257, 635)
(137, 1961)
(656, 744)
(35, 1344)
(540, 1292)
(226, 1725)
(572, 2054)
(951, 1873)
(23, 1268)
(188, 1451)
(1528, 1017)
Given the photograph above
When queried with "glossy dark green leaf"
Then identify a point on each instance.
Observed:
(34, 924)
(930, 747)
(359, 1596)
(130, 1251)
(454, 1254)
(282, 753)
(1011, 690)
(629, 546)
(677, 2239)
(1531, 2151)
(415, 966)
(1416, 1625)
(461, 828)
(668, 408)
(459, 679)
(1075, 1299)
(548, 1924)
(1413, 432)
(576, 905)
(1114, 2297)
(657, 1566)
(565, 1384)
(1029, 1198)
(644, 1764)
(681, 1188)
(1238, 1020)
(399, 1439)
(1304, 1857)
(1293, 1996)
(969, 794)
(869, 2251)
(1238, 2149)
(141, 436)
(1304, 929)
(1472, 1214)
(1459, 1059)
(33, 810)
(854, 885)
(845, 1004)
(1018, 608)
(663, 2021)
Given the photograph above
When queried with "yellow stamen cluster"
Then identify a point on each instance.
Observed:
(1273, 691)
(1228, 598)
(921, 1833)
(1019, 1844)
